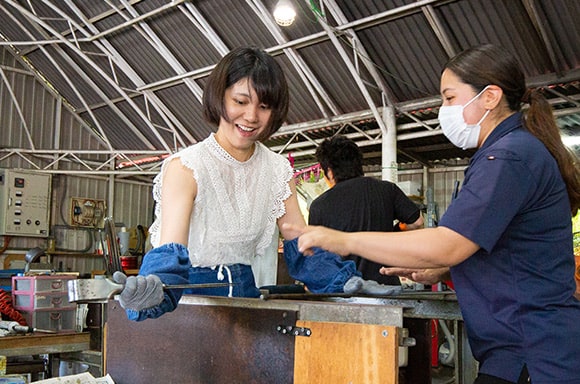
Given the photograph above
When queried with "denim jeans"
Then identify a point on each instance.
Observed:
(171, 263)
(241, 275)
(323, 272)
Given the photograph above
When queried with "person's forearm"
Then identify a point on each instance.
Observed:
(423, 248)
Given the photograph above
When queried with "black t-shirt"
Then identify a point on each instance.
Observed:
(364, 204)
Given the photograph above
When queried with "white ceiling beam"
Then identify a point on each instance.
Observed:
(306, 41)
(352, 69)
(16, 104)
(536, 19)
(437, 27)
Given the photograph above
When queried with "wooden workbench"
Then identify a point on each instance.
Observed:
(44, 344)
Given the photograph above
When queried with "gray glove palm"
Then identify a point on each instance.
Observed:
(357, 284)
(140, 292)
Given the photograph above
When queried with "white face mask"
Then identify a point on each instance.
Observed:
(455, 128)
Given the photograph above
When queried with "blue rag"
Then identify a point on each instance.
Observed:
(323, 272)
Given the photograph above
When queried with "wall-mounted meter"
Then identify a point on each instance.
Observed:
(87, 212)
(24, 203)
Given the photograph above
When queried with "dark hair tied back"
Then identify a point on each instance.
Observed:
(527, 97)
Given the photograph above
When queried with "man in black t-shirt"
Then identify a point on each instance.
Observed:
(357, 203)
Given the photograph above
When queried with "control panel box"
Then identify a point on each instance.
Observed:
(87, 212)
(24, 203)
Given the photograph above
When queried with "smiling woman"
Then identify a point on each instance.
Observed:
(260, 73)
(245, 121)
(219, 201)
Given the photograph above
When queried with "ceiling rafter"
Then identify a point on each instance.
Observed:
(316, 89)
(106, 47)
(43, 160)
(437, 27)
(315, 38)
(416, 119)
(100, 135)
(534, 15)
(360, 50)
(352, 69)
(155, 42)
(16, 104)
(203, 25)
(105, 76)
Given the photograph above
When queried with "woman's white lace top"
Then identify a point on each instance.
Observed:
(237, 203)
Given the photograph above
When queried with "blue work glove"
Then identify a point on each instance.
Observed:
(140, 292)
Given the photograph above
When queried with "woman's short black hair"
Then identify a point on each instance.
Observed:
(265, 75)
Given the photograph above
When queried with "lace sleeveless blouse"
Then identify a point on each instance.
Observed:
(237, 203)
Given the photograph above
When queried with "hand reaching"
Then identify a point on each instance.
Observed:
(317, 236)
(140, 292)
(423, 276)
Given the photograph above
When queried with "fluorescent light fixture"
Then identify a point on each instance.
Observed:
(284, 13)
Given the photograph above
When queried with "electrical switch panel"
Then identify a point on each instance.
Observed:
(87, 212)
(24, 203)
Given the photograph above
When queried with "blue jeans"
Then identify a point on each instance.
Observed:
(323, 272)
(241, 275)
(171, 263)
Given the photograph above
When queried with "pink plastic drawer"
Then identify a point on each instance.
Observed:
(36, 284)
(53, 320)
(30, 301)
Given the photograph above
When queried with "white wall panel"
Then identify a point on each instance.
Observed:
(133, 204)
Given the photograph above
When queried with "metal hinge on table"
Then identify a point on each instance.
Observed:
(294, 331)
(405, 340)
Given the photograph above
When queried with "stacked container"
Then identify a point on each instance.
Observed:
(43, 301)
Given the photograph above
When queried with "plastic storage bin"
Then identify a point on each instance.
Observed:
(31, 301)
(43, 301)
(37, 284)
(63, 320)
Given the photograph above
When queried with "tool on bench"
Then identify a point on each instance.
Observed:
(87, 290)
(12, 327)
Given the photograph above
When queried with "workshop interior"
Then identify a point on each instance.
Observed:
(94, 95)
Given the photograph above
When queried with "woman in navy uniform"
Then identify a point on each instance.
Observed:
(507, 236)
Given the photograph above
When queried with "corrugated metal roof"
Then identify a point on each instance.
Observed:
(134, 71)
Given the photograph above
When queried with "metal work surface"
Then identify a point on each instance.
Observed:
(337, 308)
(422, 305)
(360, 309)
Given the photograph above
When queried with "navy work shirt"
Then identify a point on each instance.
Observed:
(516, 292)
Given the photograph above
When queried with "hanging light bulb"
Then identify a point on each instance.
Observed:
(284, 13)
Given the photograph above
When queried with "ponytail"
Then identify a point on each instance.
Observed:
(540, 122)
